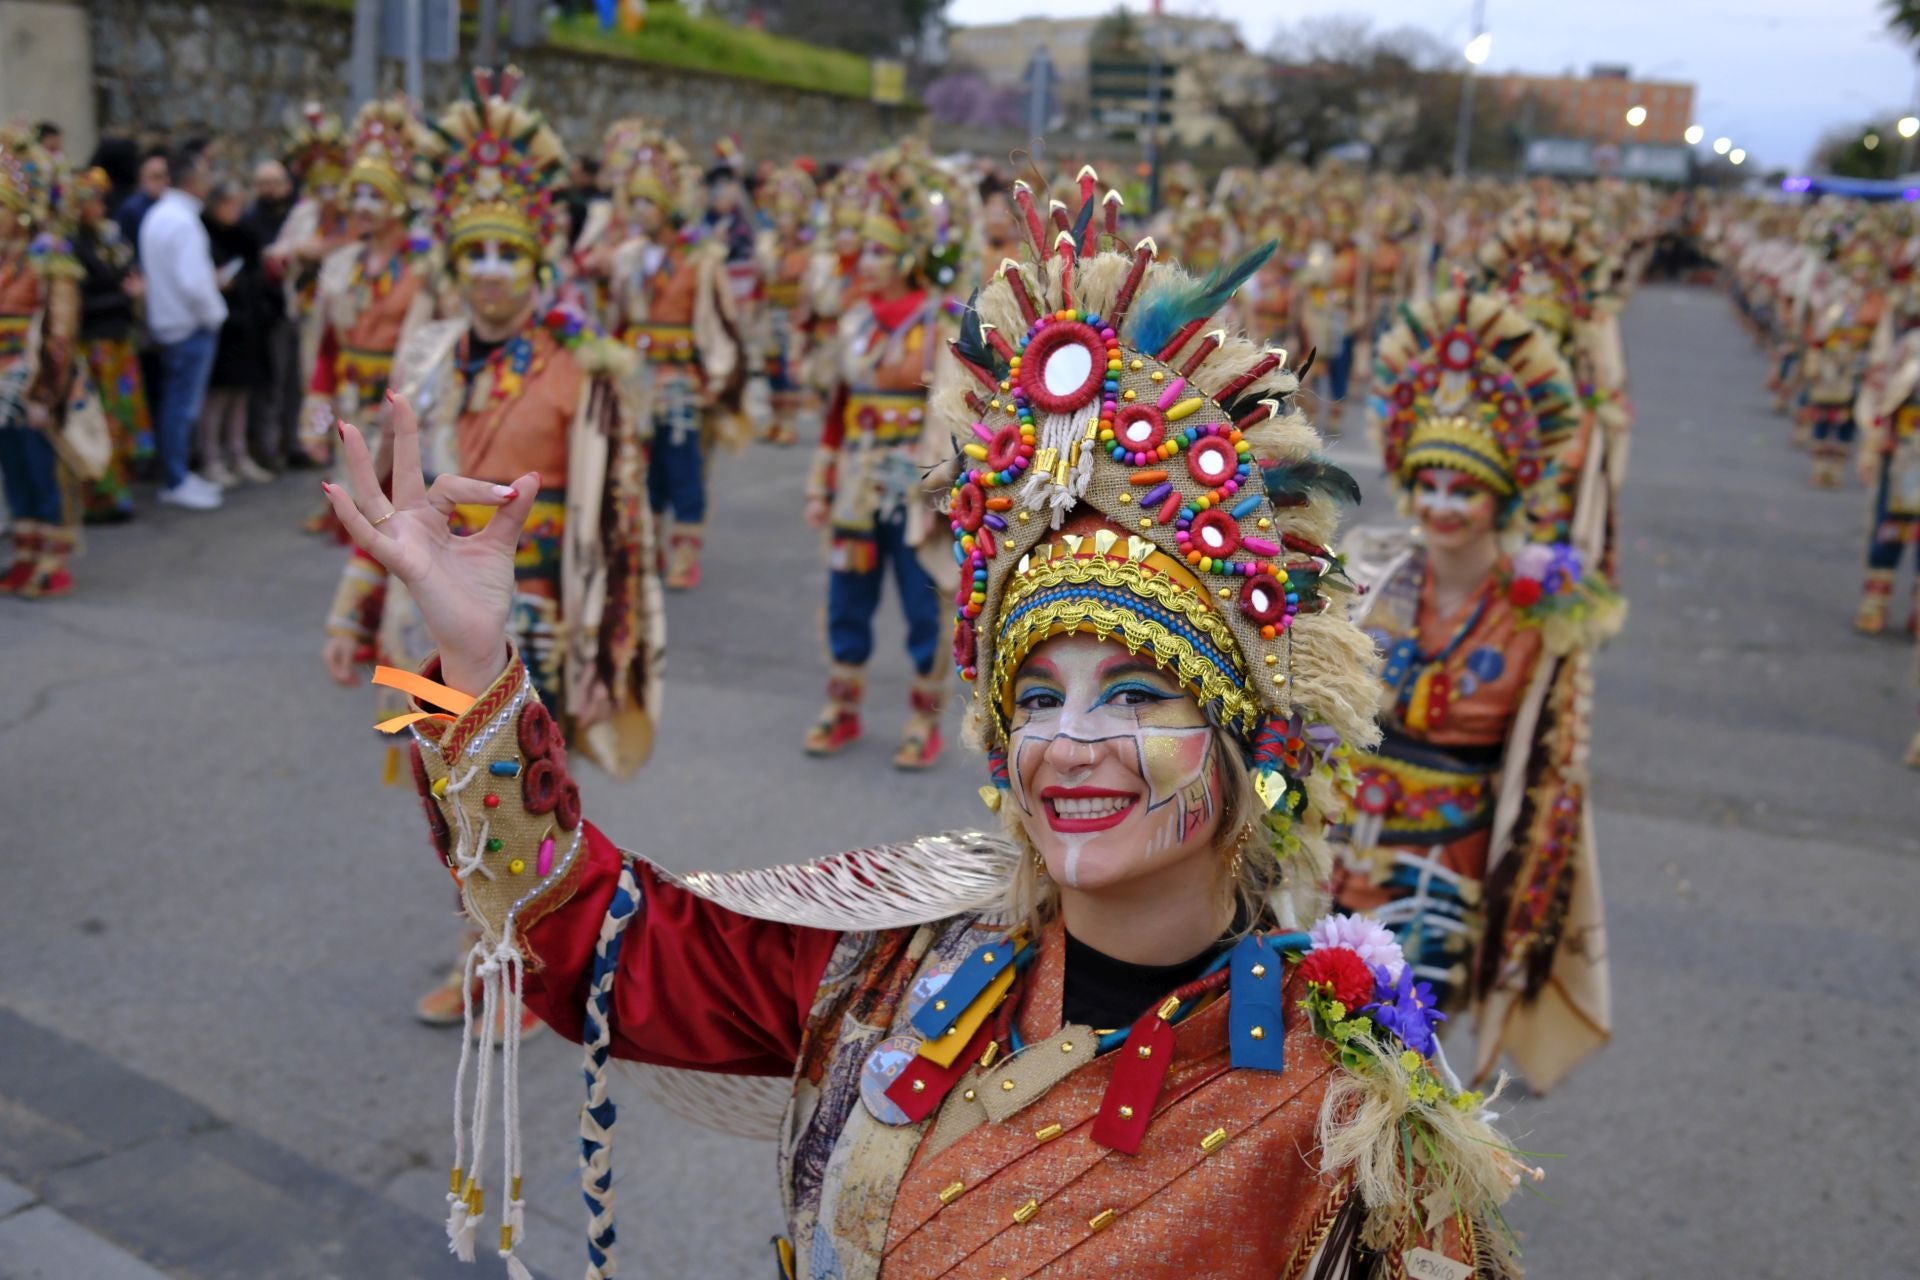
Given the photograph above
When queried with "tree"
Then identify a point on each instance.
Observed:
(1903, 17)
(1844, 152)
(962, 98)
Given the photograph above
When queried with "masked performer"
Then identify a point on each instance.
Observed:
(374, 292)
(1102, 1045)
(1470, 837)
(670, 299)
(53, 434)
(786, 255)
(517, 396)
(877, 443)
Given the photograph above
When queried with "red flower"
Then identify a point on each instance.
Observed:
(1524, 593)
(1342, 972)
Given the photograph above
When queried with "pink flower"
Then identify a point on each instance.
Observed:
(1371, 940)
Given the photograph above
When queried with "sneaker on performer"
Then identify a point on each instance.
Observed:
(192, 493)
(216, 473)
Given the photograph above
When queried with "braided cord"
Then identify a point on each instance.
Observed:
(598, 1116)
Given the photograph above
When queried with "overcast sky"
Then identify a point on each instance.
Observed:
(1771, 74)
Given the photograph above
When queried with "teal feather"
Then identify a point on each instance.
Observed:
(1163, 312)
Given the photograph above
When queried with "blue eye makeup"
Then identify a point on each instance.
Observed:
(1133, 693)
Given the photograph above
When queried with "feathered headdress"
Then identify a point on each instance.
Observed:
(316, 148)
(385, 150)
(920, 209)
(498, 167)
(1129, 473)
(1466, 382)
(787, 189)
(27, 176)
(641, 161)
(1550, 261)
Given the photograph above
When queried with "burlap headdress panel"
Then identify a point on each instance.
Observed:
(1126, 473)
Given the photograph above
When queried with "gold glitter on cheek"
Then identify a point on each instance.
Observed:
(1174, 760)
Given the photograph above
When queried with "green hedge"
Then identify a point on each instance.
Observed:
(675, 38)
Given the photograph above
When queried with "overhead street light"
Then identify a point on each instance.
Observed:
(1871, 141)
(1694, 133)
(1479, 48)
(1636, 116)
(1736, 156)
(1722, 145)
(1908, 126)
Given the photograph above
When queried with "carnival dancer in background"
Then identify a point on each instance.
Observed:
(1266, 301)
(316, 228)
(375, 291)
(110, 293)
(866, 485)
(1163, 797)
(1549, 260)
(1888, 410)
(1834, 362)
(669, 299)
(53, 435)
(1326, 299)
(833, 278)
(514, 395)
(1470, 836)
(786, 254)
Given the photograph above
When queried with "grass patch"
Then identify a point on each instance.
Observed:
(675, 38)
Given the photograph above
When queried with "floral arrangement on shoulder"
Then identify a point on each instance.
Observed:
(1551, 589)
(1417, 1144)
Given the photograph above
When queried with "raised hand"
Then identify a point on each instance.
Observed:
(463, 586)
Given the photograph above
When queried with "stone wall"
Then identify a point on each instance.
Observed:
(242, 68)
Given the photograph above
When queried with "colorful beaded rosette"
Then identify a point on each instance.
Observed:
(1114, 480)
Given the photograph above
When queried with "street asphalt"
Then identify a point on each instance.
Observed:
(216, 919)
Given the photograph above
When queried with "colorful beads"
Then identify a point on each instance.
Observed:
(495, 844)
(491, 801)
(504, 768)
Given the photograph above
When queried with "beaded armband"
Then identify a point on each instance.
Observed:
(504, 814)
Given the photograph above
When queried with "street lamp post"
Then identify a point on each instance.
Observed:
(1907, 128)
(1694, 134)
(1476, 53)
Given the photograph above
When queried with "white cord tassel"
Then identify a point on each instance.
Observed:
(458, 1237)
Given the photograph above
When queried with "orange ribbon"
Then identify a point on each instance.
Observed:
(425, 690)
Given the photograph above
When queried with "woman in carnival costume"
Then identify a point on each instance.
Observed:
(670, 299)
(110, 292)
(1833, 364)
(1470, 836)
(1101, 1044)
(1328, 302)
(516, 396)
(786, 255)
(1551, 262)
(372, 293)
(53, 437)
(879, 441)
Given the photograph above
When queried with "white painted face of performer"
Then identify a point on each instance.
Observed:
(1114, 771)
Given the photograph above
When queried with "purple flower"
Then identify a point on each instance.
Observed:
(1405, 1008)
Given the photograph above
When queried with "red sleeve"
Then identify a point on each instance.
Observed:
(833, 430)
(699, 986)
(323, 378)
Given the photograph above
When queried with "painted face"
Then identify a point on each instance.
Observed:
(497, 277)
(1452, 507)
(369, 209)
(879, 265)
(1111, 764)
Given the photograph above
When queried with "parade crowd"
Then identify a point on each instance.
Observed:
(1039, 415)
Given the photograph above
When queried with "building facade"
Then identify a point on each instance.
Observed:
(1594, 107)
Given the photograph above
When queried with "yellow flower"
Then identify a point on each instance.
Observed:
(1410, 1060)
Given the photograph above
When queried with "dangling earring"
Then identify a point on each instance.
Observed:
(1239, 853)
(1039, 865)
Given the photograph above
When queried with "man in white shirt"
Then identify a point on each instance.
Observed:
(184, 314)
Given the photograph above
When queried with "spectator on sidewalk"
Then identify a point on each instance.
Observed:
(152, 185)
(110, 291)
(276, 402)
(184, 313)
(240, 358)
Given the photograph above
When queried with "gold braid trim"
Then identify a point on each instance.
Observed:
(1304, 1252)
(1170, 652)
